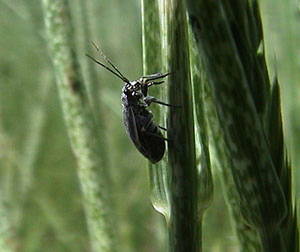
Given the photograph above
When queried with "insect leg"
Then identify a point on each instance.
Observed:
(149, 99)
(156, 135)
(166, 139)
(155, 83)
(159, 136)
(148, 122)
(162, 128)
(147, 76)
(156, 76)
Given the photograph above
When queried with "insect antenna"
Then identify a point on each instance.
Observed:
(106, 67)
(109, 62)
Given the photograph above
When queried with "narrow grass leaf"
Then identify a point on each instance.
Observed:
(240, 88)
(81, 125)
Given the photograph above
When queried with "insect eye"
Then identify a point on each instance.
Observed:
(134, 84)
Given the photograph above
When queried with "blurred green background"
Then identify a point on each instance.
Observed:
(40, 195)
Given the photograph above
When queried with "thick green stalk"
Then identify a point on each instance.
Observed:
(230, 36)
(180, 191)
(247, 236)
(158, 173)
(205, 183)
(242, 129)
(80, 124)
(185, 222)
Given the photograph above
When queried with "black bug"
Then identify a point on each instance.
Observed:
(138, 121)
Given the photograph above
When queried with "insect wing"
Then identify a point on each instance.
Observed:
(150, 136)
(144, 133)
(131, 126)
(153, 143)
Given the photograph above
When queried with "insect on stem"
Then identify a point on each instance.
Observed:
(139, 124)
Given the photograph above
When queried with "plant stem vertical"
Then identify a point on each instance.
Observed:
(85, 141)
(229, 34)
(184, 224)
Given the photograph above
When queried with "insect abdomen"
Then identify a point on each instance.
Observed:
(153, 142)
(144, 133)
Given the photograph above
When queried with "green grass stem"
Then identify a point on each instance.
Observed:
(181, 187)
(82, 129)
(152, 63)
(229, 35)
(185, 220)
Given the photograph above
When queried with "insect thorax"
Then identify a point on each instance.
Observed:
(132, 94)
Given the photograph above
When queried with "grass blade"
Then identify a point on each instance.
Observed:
(231, 32)
(81, 125)
(185, 220)
(158, 173)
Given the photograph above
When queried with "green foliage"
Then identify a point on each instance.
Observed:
(42, 206)
(249, 116)
(86, 140)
